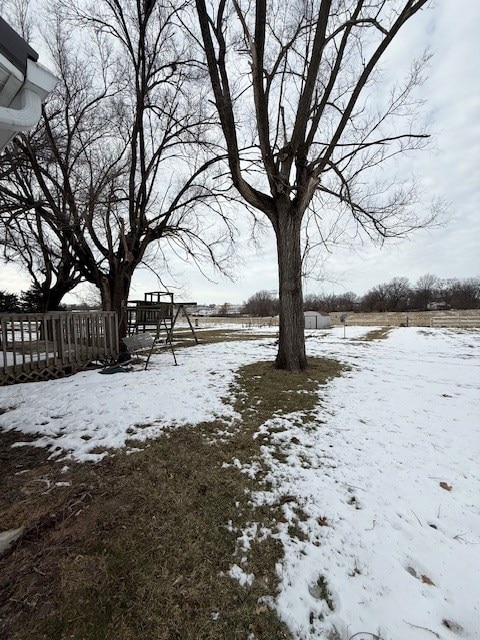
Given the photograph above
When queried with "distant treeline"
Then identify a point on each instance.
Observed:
(429, 293)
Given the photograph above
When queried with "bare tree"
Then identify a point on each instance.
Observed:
(262, 304)
(460, 293)
(291, 85)
(330, 302)
(27, 238)
(426, 290)
(376, 299)
(54, 177)
(398, 294)
(121, 157)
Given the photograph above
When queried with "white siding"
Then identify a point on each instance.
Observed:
(314, 320)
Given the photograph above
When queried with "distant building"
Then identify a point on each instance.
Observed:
(221, 310)
(188, 307)
(317, 320)
(24, 85)
(438, 305)
(233, 309)
(205, 310)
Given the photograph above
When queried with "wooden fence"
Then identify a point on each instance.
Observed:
(35, 346)
(469, 318)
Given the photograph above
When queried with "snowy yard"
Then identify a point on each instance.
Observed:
(386, 472)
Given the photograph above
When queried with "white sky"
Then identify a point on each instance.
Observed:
(450, 169)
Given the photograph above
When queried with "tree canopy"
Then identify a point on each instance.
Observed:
(304, 127)
(121, 158)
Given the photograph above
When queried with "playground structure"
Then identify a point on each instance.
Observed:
(155, 311)
(158, 314)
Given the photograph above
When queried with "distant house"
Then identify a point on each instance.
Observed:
(24, 84)
(317, 320)
(205, 310)
(438, 305)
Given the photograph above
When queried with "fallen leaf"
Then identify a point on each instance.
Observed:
(426, 580)
(453, 626)
(446, 486)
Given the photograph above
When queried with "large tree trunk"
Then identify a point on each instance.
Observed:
(114, 290)
(55, 295)
(291, 345)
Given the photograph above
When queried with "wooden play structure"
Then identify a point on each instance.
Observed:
(157, 315)
(154, 311)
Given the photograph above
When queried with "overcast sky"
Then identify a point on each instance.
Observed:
(450, 169)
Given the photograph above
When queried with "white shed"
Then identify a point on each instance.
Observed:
(316, 320)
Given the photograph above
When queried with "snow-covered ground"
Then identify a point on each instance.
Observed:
(387, 473)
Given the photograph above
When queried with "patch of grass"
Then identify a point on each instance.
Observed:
(377, 334)
(295, 531)
(184, 338)
(144, 556)
(320, 591)
(268, 391)
(139, 546)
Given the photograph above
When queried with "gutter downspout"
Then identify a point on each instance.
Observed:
(26, 116)
(25, 110)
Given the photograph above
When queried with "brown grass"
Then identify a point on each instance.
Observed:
(138, 545)
(185, 338)
(377, 334)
